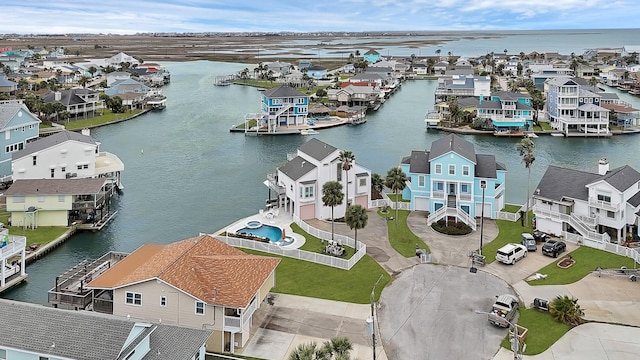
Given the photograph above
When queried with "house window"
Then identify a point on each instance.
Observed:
(363, 182)
(64, 169)
(43, 358)
(301, 101)
(339, 171)
(61, 198)
(41, 198)
(604, 198)
(464, 188)
(133, 298)
(452, 169)
(199, 308)
(276, 101)
(439, 186)
(611, 214)
(163, 301)
(35, 160)
(421, 181)
(306, 192)
(3, 354)
(18, 199)
(438, 168)
(465, 170)
(53, 173)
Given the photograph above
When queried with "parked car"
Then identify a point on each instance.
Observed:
(553, 248)
(504, 310)
(540, 236)
(511, 253)
(529, 242)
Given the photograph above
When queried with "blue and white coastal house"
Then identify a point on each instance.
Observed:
(573, 108)
(601, 207)
(509, 112)
(371, 56)
(19, 126)
(298, 183)
(451, 180)
(282, 107)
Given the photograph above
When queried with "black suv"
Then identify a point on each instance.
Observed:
(553, 248)
(540, 236)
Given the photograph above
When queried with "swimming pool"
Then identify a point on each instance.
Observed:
(273, 233)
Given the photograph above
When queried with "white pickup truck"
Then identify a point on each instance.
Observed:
(503, 310)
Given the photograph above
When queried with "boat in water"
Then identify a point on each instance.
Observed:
(309, 132)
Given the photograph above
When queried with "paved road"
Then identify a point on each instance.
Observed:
(428, 313)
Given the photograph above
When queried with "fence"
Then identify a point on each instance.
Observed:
(606, 246)
(317, 258)
(402, 205)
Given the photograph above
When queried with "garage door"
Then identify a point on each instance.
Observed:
(421, 203)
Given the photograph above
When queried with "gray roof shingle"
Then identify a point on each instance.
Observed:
(283, 91)
(486, 166)
(419, 162)
(634, 200)
(455, 143)
(9, 110)
(622, 178)
(559, 183)
(56, 186)
(317, 149)
(296, 168)
(88, 335)
(52, 140)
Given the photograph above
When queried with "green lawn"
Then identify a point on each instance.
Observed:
(401, 238)
(393, 197)
(257, 83)
(314, 244)
(99, 120)
(543, 332)
(545, 126)
(298, 277)
(511, 208)
(42, 235)
(587, 260)
(508, 232)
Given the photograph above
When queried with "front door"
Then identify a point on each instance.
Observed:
(452, 189)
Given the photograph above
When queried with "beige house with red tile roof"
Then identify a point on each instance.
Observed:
(198, 282)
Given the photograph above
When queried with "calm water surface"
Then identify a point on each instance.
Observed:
(185, 173)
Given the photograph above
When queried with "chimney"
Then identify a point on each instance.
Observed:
(603, 166)
(57, 96)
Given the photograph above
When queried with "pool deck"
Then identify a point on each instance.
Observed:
(281, 220)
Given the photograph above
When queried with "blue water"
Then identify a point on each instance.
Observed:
(273, 233)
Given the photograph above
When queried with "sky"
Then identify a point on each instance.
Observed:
(129, 16)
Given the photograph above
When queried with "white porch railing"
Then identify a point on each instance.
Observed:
(15, 245)
(317, 258)
(606, 205)
(574, 222)
(402, 205)
(465, 196)
(602, 245)
(449, 211)
(378, 203)
(437, 194)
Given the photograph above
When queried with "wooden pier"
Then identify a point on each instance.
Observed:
(13, 281)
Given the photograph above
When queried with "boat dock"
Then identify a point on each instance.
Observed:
(97, 225)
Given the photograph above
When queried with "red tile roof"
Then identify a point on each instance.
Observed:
(203, 267)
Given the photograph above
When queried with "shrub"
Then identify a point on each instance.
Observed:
(454, 228)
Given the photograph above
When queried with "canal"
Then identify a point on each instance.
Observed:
(185, 172)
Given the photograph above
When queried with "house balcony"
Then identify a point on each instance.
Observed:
(272, 183)
(108, 163)
(438, 194)
(235, 323)
(465, 197)
(14, 246)
(604, 205)
(508, 107)
(583, 120)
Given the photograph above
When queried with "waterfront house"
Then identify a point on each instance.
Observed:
(7, 86)
(64, 155)
(355, 94)
(130, 91)
(510, 113)
(574, 109)
(440, 67)
(19, 126)
(297, 185)
(374, 78)
(458, 86)
(278, 68)
(197, 283)
(451, 181)
(624, 114)
(121, 58)
(116, 76)
(349, 68)
(540, 73)
(40, 332)
(282, 106)
(371, 56)
(57, 202)
(420, 69)
(80, 103)
(602, 206)
(317, 72)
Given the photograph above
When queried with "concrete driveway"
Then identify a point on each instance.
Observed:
(427, 312)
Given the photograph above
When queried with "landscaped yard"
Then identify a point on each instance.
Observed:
(511, 208)
(401, 238)
(587, 260)
(544, 330)
(99, 120)
(314, 244)
(508, 232)
(42, 235)
(298, 277)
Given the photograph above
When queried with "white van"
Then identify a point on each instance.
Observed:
(511, 253)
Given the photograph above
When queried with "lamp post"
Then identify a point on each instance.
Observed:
(372, 329)
(483, 185)
(513, 338)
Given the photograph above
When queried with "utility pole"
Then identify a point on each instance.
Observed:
(373, 322)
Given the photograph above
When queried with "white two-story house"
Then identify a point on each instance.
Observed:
(65, 155)
(600, 207)
(298, 183)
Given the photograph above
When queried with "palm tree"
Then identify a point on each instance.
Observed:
(346, 158)
(356, 217)
(566, 310)
(332, 196)
(83, 81)
(396, 180)
(337, 348)
(525, 148)
(438, 51)
(92, 70)
(377, 184)
(593, 81)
